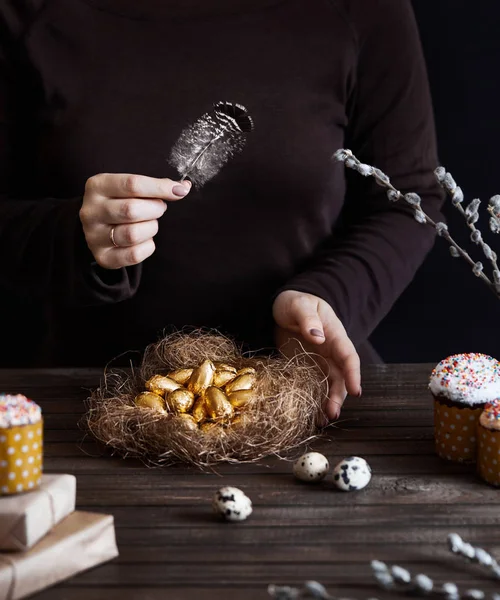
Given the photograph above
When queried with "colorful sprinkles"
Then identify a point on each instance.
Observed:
(18, 410)
(492, 410)
(467, 378)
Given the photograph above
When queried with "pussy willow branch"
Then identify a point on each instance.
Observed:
(414, 200)
(310, 589)
(396, 579)
(473, 554)
(494, 210)
(471, 216)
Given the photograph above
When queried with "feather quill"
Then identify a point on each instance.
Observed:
(205, 146)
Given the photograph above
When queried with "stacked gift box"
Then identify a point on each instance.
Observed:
(43, 540)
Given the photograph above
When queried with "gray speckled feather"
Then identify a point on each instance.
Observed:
(204, 147)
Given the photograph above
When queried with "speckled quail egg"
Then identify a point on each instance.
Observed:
(352, 474)
(232, 504)
(311, 467)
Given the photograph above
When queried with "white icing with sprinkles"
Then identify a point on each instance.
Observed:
(18, 410)
(467, 378)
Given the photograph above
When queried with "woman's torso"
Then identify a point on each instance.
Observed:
(111, 84)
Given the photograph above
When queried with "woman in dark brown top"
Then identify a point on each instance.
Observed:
(93, 95)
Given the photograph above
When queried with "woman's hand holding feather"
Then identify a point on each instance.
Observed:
(120, 215)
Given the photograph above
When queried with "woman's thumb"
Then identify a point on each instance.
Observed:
(310, 325)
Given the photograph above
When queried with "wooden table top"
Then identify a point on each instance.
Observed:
(171, 546)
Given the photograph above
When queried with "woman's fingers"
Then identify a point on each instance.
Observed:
(337, 393)
(344, 355)
(120, 215)
(116, 258)
(133, 234)
(305, 313)
(131, 210)
(342, 350)
(323, 334)
(319, 325)
(133, 243)
(119, 185)
(298, 312)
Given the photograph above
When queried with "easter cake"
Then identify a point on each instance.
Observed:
(461, 385)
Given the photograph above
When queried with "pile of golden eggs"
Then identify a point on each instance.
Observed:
(208, 396)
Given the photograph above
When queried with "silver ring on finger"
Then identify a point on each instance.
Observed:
(112, 237)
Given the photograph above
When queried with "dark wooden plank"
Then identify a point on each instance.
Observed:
(75, 436)
(229, 591)
(249, 535)
(203, 574)
(163, 480)
(54, 378)
(402, 465)
(337, 447)
(377, 515)
(155, 592)
(74, 408)
(353, 418)
(153, 489)
(343, 553)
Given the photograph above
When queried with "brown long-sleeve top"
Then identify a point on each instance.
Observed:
(91, 86)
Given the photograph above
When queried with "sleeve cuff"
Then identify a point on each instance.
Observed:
(98, 285)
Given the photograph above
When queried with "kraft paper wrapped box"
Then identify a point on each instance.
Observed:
(80, 542)
(26, 518)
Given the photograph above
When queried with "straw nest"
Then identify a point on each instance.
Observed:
(289, 394)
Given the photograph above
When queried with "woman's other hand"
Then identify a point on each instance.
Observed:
(120, 215)
(311, 321)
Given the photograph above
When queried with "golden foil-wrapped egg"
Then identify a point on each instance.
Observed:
(180, 400)
(182, 376)
(186, 421)
(199, 411)
(202, 377)
(150, 400)
(242, 382)
(220, 366)
(241, 398)
(161, 385)
(246, 371)
(221, 378)
(218, 405)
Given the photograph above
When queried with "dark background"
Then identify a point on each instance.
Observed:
(446, 309)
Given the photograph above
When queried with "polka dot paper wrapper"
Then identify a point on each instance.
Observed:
(488, 459)
(21, 456)
(455, 428)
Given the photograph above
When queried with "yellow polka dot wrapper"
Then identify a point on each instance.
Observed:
(21, 444)
(488, 435)
(461, 385)
(455, 431)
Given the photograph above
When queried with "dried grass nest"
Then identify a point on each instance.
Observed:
(289, 395)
